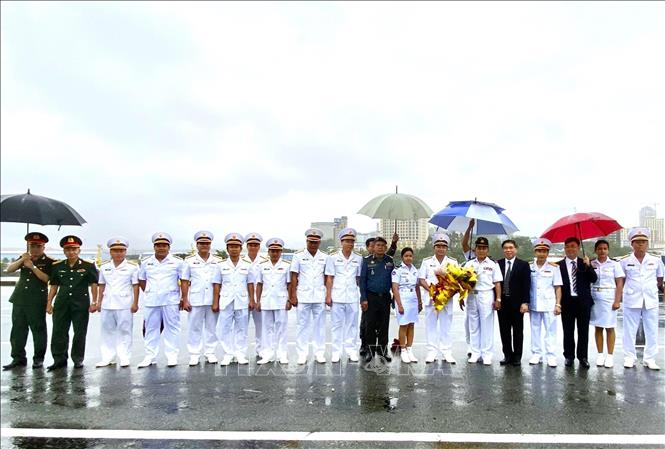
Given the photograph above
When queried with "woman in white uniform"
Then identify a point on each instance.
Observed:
(606, 293)
(407, 303)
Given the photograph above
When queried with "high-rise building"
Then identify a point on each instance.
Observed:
(411, 233)
(648, 219)
(331, 229)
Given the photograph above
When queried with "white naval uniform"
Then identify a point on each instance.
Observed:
(274, 296)
(116, 314)
(234, 306)
(256, 314)
(603, 292)
(541, 308)
(311, 293)
(406, 277)
(438, 324)
(640, 299)
(346, 301)
(469, 255)
(202, 325)
(161, 304)
(480, 307)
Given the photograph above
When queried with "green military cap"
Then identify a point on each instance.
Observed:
(36, 237)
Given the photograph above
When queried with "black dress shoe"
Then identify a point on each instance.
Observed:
(504, 362)
(367, 357)
(516, 363)
(386, 355)
(584, 363)
(569, 362)
(56, 366)
(37, 365)
(14, 364)
(78, 365)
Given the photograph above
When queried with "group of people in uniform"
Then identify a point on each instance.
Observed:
(222, 298)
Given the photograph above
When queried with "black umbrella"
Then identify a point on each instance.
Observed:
(28, 208)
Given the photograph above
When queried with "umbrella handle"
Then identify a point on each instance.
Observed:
(579, 236)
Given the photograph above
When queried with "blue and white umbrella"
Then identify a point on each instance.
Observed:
(490, 219)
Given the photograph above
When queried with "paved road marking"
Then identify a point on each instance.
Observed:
(514, 438)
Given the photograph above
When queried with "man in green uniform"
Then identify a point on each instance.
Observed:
(70, 280)
(29, 302)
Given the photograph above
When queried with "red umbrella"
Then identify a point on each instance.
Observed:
(584, 225)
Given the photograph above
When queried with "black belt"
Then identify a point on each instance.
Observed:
(380, 295)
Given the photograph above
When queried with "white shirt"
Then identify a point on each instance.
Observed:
(201, 273)
(346, 272)
(427, 272)
(543, 281)
(406, 277)
(161, 280)
(488, 273)
(607, 273)
(569, 265)
(640, 288)
(310, 269)
(274, 280)
(234, 280)
(255, 266)
(118, 282)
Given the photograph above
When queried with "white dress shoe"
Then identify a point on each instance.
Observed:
(431, 357)
(448, 357)
(487, 360)
(226, 360)
(651, 364)
(335, 357)
(609, 361)
(534, 360)
(474, 358)
(124, 363)
(411, 355)
(102, 364)
(193, 360)
(353, 357)
(284, 360)
(265, 360)
(146, 363)
(551, 361)
(628, 362)
(600, 360)
(320, 358)
(211, 358)
(404, 356)
(242, 360)
(171, 362)
(302, 359)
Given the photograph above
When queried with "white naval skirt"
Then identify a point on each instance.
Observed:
(602, 314)
(410, 305)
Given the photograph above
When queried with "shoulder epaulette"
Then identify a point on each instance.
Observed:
(88, 261)
(177, 257)
(622, 257)
(245, 259)
(59, 261)
(131, 262)
(554, 264)
(188, 257)
(49, 258)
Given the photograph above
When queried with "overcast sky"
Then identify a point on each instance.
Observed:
(265, 117)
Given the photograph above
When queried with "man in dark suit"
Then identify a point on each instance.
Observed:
(515, 294)
(577, 275)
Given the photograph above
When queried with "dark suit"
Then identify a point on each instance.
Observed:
(576, 308)
(511, 321)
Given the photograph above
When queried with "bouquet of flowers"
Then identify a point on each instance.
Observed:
(452, 279)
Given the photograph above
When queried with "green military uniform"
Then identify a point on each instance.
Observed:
(29, 312)
(71, 308)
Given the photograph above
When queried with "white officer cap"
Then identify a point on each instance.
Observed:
(347, 233)
(275, 243)
(253, 237)
(639, 234)
(161, 237)
(440, 238)
(233, 237)
(118, 242)
(204, 237)
(542, 243)
(314, 234)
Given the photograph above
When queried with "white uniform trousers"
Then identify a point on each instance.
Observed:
(154, 318)
(116, 334)
(467, 334)
(232, 330)
(256, 317)
(274, 329)
(543, 327)
(201, 332)
(311, 323)
(631, 322)
(480, 311)
(439, 326)
(344, 327)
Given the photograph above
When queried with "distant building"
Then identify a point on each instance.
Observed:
(331, 228)
(648, 219)
(411, 233)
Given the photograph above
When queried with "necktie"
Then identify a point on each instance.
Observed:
(573, 277)
(506, 279)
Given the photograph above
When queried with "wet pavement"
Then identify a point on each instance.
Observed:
(345, 397)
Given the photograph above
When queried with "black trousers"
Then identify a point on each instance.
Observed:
(24, 319)
(64, 316)
(363, 326)
(575, 313)
(511, 326)
(377, 320)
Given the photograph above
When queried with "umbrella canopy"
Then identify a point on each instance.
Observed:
(396, 206)
(583, 225)
(490, 219)
(29, 208)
